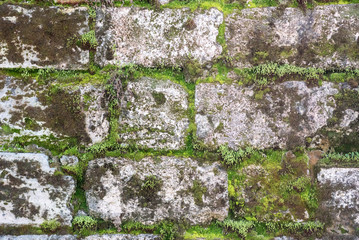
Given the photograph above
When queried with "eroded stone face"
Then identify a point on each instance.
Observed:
(339, 199)
(30, 193)
(155, 38)
(325, 37)
(123, 237)
(154, 114)
(38, 37)
(28, 108)
(283, 117)
(118, 190)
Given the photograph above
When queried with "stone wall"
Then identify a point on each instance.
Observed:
(215, 121)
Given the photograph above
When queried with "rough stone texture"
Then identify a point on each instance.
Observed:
(37, 37)
(340, 195)
(156, 38)
(286, 115)
(28, 108)
(154, 114)
(30, 193)
(325, 37)
(123, 237)
(186, 191)
(69, 160)
(38, 237)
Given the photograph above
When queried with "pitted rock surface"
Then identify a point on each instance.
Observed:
(154, 114)
(325, 37)
(184, 190)
(285, 116)
(28, 108)
(123, 237)
(155, 38)
(30, 193)
(38, 37)
(340, 198)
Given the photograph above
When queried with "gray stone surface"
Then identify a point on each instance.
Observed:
(154, 114)
(339, 205)
(123, 237)
(37, 37)
(325, 37)
(38, 237)
(156, 38)
(115, 190)
(30, 193)
(69, 160)
(285, 116)
(28, 108)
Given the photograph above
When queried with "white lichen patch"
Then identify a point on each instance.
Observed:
(154, 114)
(183, 190)
(30, 193)
(155, 38)
(284, 116)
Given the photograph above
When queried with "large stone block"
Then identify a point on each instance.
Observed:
(155, 38)
(283, 116)
(38, 37)
(324, 37)
(156, 189)
(154, 114)
(30, 109)
(339, 206)
(30, 193)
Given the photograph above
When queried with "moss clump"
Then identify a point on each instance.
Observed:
(50, 226)
(84, 225)
(159, 98)
(198, 190)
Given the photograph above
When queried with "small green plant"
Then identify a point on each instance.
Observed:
(231, 157)
(84, 224)
(89, 38)
(241, 227)
(50, 226)
(352, 157)
(168, 230)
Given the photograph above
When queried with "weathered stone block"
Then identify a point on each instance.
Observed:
(155, 38)
(38, 237)
(38, 37)
(284, 116)
(123, 237)
(30, 109)
(325, 37)
(30, 193)
(156, 189)
(339, 206)
(154, 114)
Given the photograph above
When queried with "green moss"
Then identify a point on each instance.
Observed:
(7, 130)
(84, 225)
(50, 226)
(198, 190)
(159, 97)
